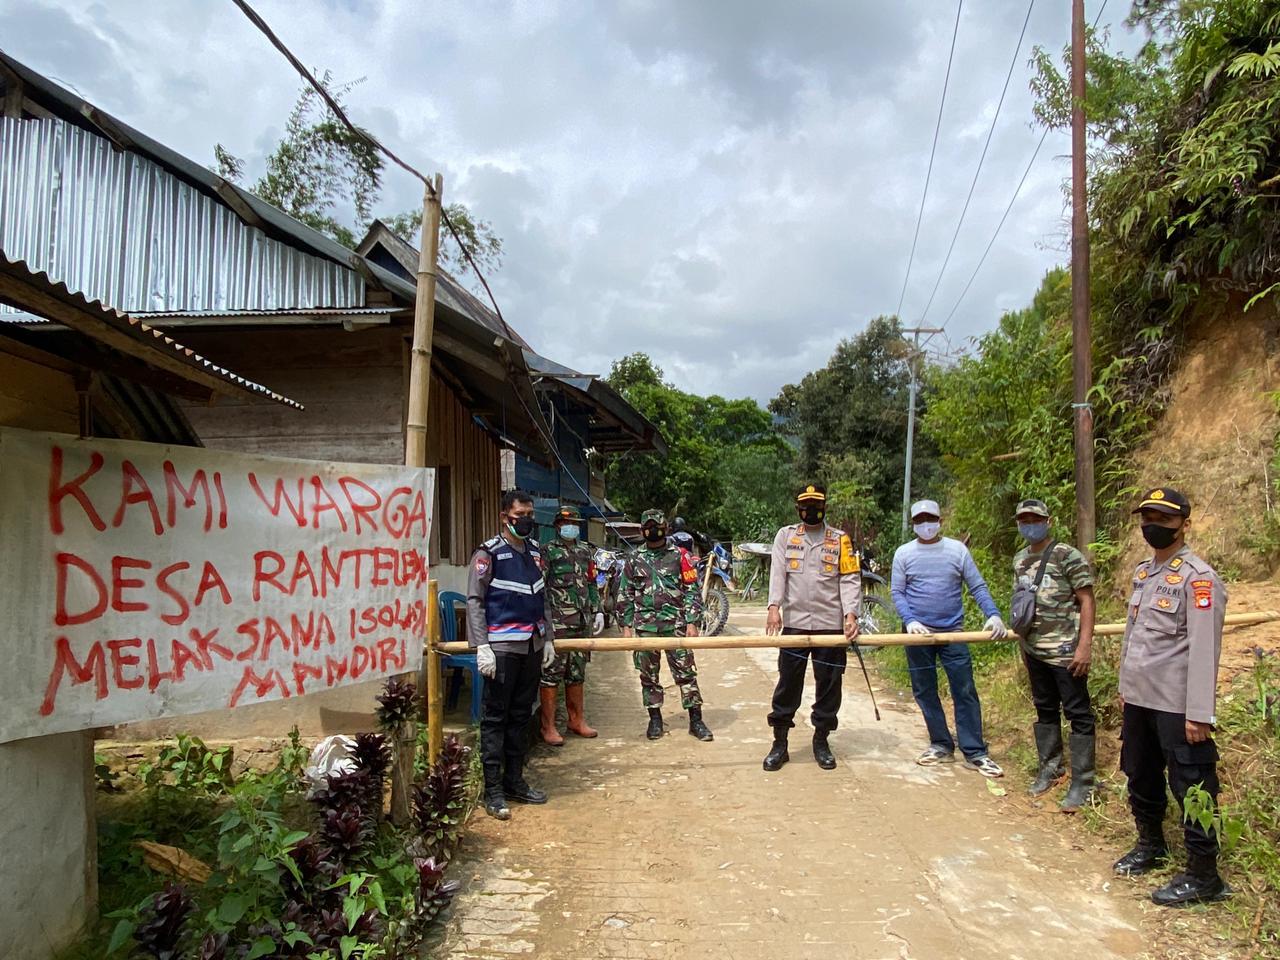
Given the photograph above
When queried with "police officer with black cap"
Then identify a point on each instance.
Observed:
(1168, 683)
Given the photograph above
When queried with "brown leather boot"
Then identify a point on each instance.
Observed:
(547, 712)
(574, 701)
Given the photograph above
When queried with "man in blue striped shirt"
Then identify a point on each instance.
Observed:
(929, 577)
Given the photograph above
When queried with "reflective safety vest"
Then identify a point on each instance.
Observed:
(514, 605)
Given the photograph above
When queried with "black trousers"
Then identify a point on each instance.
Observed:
(828, 671)
(1053, 688)
(506, 706)
(1155, 743)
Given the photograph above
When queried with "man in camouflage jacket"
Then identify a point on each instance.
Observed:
(1057, 649)
(658, 596)
(574, 602)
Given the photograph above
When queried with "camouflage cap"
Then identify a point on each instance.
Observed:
(653, 514)
(1032, 506)
(566, 514)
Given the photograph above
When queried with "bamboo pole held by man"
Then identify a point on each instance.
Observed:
(811, 640)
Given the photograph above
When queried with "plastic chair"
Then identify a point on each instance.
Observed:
(458, 662)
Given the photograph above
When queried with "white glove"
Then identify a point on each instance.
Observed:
(487, 661)
(597, 625)
(916, 627)
(548, 655)
(998, 630)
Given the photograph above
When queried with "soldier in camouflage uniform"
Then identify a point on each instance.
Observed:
(1057, 649)
(574, 602)
(658, 596)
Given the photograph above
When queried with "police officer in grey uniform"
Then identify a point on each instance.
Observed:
(1168, 682)
(815, 581)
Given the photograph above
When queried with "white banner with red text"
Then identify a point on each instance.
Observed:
(140, 580)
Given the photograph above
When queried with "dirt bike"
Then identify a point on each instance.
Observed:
(876, 614)
(608, 575)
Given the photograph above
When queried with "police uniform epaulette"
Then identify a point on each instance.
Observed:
(1195, 563)
(493, 543)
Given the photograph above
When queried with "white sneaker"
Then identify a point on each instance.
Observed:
(935, 755)
(985, 766)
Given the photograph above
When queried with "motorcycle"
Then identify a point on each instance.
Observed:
(715, 595)
(608, 574)
(877, 614)
(715, 600)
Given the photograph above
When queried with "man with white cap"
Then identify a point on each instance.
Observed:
(930, 574)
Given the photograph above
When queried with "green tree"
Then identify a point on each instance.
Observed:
(851, 415)
(726, 471)
(476, 235)
(318, 165)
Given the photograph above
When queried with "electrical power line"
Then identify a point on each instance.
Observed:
(946, 81)
(373, 142)
(981, 159)
(1018, 189)
(983, 259)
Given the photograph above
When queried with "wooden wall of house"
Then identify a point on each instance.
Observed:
(354, 386)
(468, 479)
(37, 397)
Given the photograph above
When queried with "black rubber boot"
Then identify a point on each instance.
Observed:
(495, 804)
(1200, 884)
(778, 752)
(822, 751)
(655, 724)
(1147, 854)
(1049, 749)
(696, 727)
(1083, 776)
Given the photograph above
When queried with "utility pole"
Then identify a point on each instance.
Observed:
(913, 366)
(1081, 334)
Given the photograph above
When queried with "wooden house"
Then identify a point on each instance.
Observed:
(120, 218)
(99, 373)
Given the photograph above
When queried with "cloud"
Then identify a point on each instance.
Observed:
(729, 185)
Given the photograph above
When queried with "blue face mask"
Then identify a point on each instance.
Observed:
(1034, 532)
(570, 531)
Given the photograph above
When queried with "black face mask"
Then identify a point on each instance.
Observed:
(1158, 536)
(522, 527)
(812, 515)
(653, 532)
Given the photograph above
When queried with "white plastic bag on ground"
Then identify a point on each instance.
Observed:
(332, 755)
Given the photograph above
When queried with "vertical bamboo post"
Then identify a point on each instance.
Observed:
(435, 683)
(415, 439)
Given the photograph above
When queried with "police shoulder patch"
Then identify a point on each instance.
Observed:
(482, 563)
(1202, 592)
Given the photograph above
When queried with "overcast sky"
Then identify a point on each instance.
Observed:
(729, 185)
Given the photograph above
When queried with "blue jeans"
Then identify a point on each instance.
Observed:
(922, 661)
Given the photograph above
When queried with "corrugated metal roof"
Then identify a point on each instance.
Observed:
(118, 228)
(152, 346)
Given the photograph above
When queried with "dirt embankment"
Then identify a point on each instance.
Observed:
(1216, 440)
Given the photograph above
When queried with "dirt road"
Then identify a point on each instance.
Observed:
(681, 849)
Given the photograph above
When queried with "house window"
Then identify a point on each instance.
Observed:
(443, 532)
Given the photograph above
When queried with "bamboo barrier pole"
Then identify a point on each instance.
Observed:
(434, 684)
(811, 640)
(415, 444)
